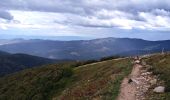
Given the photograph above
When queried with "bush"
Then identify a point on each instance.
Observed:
(67, 72)
(109, 58)
(81, 63)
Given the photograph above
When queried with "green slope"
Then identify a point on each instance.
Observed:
(160, 66)
(65, 82)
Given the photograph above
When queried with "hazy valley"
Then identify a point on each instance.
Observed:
(85, 49)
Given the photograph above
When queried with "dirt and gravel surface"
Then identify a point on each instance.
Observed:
(136, 85)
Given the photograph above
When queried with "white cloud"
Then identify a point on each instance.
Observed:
(86, 16)
(155, 21)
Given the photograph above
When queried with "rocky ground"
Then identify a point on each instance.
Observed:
(136, 85)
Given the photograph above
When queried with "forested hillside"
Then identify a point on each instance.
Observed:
(10, 63)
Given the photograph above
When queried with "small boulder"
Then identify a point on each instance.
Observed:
(153, 82)
(159, 89)
(143, 63)
(135, 81)
(130, 80)
(137, 61)
(144, 74)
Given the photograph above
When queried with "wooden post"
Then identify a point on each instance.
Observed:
(162, 50)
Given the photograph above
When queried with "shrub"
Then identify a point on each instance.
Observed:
(109, 58)
(67, 72)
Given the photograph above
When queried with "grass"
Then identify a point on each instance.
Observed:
(66, 82)
(160, 67)
(100, 80)
(35, 84)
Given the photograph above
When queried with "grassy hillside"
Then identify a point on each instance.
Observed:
(65, 82)
(160, 67)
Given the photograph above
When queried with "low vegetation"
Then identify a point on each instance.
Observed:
(110, 58)
(81, 63)
(36, 83)
(65, 81)
(100, 80)
(160, 66)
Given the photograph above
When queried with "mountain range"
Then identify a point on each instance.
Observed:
(85, 49)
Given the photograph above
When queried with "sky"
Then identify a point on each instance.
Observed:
(85, 19)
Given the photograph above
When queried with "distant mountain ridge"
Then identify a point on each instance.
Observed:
(86, 49)
(10, 63)
(10, 41)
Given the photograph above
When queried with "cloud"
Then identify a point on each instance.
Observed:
(5, 15)
(155, 21)
(161, 12)
(63, 6)
(86, 16)
(85, 6)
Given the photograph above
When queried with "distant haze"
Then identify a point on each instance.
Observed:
(84, 49)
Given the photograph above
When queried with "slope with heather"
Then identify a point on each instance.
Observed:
(65, 81)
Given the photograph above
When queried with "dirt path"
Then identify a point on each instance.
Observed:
(135, 86)
(128, 90)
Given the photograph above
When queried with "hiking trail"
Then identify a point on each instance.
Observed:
(136, 85)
